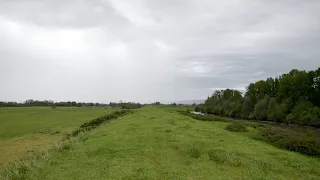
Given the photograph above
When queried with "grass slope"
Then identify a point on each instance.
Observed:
(25, 130)
(157, 143)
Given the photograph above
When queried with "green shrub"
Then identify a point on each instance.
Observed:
(203, 117)
(98, 121)
(197, 109)
(195, 152)
(236, 127)
(290, 140)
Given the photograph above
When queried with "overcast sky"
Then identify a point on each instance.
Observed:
(150, 50)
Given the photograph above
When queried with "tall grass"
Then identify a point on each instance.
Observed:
(19, 169)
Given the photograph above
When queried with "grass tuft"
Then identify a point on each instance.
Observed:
(194, 152)
(222, 157)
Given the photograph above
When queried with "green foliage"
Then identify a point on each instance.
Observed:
(302, 113)
(130, 105)
(203, 117)
(275, 112)
(292, 141)
(236, 127)
(98, 121)
(260, 109)
(315, 119)
(197, 109)
(46, 103)
(304, 142)
(225, 102)
(290, 98)
(247, 107)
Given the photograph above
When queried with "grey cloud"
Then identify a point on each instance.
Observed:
(73, 14)
(109, 50)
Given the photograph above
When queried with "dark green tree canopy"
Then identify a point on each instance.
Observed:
(293, 97)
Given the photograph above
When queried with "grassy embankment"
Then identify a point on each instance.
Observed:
(159, 143)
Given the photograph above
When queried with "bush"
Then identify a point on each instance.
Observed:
(204, 117)
(290, 140)
(236, 127)
(98, 121)
(315, 119)
(195, 152)
(197, 109)
(130, 105)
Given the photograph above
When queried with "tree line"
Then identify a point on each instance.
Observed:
(293, 97)
(32, 103)
(49, 103)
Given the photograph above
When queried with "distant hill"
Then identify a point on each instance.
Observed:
(189, 102)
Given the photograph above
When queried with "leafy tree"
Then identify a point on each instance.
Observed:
(53, 106)
(247, 107)
(275, 112)
(260, 109)
(302, 113)
(197, 109)
(73, 103)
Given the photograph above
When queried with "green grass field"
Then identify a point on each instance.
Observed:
(26, 130)
(159, 143)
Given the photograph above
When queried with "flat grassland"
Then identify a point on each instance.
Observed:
(26, 130)
(160, 143)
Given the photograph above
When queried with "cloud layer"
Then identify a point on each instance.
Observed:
(160, 50)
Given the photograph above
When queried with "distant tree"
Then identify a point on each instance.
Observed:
(197, 109)
(53, 106)
(69, 103)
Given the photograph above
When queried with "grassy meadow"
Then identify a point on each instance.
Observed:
(160, 143)
(26, 130)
